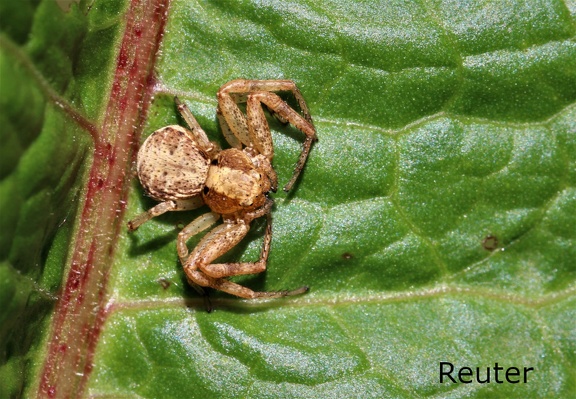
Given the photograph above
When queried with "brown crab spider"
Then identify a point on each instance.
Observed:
(184, 170)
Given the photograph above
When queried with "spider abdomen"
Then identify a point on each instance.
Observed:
(171, 165)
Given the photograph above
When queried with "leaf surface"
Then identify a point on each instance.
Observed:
(434, 222)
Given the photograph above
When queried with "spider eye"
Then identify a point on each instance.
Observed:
(214, 161)
(206, 190)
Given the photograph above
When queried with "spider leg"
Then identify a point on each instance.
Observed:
(232, 120)
(278, 117)
(219, 241)
(240, 86)
(225, 237)
(213, 245)
(198, 225)
(260, 132)
(243, 292)
(227, 132)
(163, 207)
(199, 135)
(197, 277)
(253, 129)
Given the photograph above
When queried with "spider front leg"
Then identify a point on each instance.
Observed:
(252, 130)
(239, 89)
(260, 132)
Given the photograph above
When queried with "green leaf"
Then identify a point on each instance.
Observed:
(434, 222)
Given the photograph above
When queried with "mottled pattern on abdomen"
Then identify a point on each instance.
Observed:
(171, 165)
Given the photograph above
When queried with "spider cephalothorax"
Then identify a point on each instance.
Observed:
(237, 182)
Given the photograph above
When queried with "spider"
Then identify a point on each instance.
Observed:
(183, 170)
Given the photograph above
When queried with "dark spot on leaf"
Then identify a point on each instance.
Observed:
(164, 283)
(347, 255)
(490, 242)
